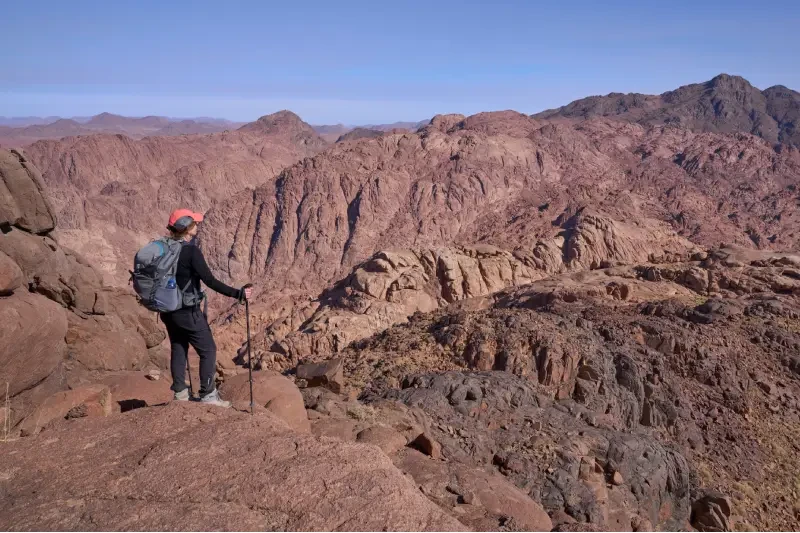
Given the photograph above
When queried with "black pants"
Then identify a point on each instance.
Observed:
(189, 326)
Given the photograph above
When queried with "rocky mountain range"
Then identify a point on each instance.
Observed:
(19, 132)
(505, 180)
(111, 193)
(575, 321)
(725, 104)
(26, 121)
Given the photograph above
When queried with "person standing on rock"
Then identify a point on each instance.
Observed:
(188, 325)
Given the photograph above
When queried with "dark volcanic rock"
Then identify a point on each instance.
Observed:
(566, 462)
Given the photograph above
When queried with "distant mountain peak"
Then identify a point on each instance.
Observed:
(281, 117)
(106, 119)
(724, 104)
(284, 114)
(728, 80)
(106, 115)
(721, 77)
(286, 124)
(275, 121)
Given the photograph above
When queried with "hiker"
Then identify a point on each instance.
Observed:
(188, 325)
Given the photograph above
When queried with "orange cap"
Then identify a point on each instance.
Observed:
(178, 214)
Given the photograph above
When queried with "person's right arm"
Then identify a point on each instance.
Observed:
(200, 267)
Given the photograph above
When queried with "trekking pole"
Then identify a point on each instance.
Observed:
(189, 371)
(249, 360)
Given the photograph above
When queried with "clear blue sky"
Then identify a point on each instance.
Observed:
(376, 61)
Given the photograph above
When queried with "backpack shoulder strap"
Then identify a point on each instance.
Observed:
(188, 284)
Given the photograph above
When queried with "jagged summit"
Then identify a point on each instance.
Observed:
(725, 104)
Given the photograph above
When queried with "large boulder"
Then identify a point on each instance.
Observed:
(329, 374)
(387, 439)
(711, 513)
(54, 272)
(92, 400)
(133, 390)
(104, 343)
(32, 349)
(10, 275)
(189, 467)
(108, 329)
(22, 202)
(32, 330)
(272, 391)
(34, 254)
(488, 499)
(123, 303)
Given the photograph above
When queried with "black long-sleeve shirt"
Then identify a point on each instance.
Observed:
(192, 266)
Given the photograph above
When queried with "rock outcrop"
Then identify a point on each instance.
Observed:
(60, 323)
(32, 335)
(573, 476)
(361, 133)
(610, 397)
(386, 290)
(10, 275)
(22, 202)
(393, 285)
(272, 392)
(193, 467)
(479, 492)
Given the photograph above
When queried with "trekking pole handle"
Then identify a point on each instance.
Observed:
(242, 291)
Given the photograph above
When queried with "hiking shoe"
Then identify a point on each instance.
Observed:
(182, 396)
(212, 398)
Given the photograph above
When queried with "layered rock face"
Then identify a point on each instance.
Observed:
(60, 324)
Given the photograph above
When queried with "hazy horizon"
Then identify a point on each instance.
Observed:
(352, 63)
(48, 119)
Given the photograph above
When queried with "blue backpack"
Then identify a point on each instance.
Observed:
(153, 277)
